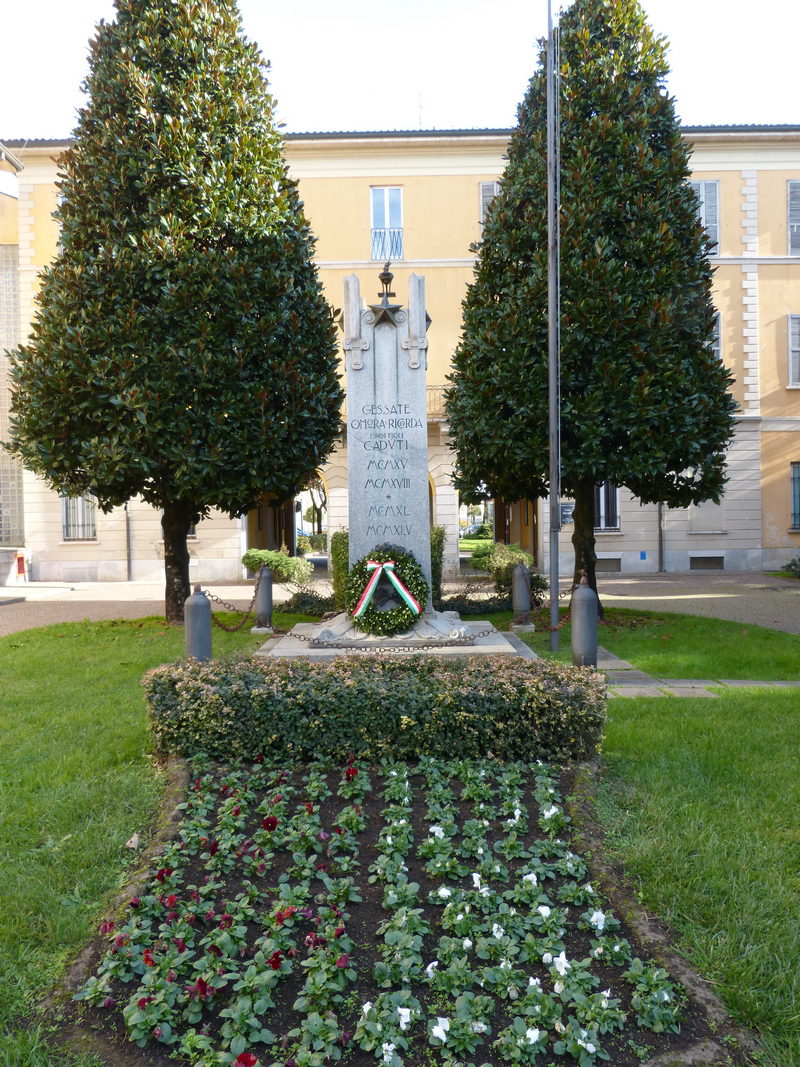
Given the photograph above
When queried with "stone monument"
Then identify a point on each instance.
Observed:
(387, 447)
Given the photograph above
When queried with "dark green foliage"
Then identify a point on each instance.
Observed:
(405, 708)
(644, 398)
(308, 601)
(479, 560)
(792, 568)
(501, 564)
(340, 564)
(438, 534)
(376, 619)
(465, 604)
(282, 567)
(182, 349)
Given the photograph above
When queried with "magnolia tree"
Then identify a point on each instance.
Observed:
(644, 399)
(182, 349)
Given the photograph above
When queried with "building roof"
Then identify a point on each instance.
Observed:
(9, 157)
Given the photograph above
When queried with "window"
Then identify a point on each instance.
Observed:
(794, 217)
(78, 518)
(708, 195)
(716, 340)
(606, 512)
(796, 496)
(387, 222)
(489, 191)
(794, 350)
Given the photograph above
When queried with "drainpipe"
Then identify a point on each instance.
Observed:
(128, 541)
(660, 538)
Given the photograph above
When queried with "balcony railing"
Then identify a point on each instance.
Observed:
(387, 243)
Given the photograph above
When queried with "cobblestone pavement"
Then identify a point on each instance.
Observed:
(747, 597)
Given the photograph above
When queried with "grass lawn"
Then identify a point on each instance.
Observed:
(700, 799)
(668, 645)
(469, 544)
(76, 781)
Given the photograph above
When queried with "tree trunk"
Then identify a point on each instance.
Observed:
(583, 538)
(175, 524)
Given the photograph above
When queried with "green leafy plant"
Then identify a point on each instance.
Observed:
(182, 349)
(283, 568)
(340, 564)
(380, 620)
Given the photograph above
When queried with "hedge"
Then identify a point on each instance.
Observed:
(508, 707)
(340, 563)
(282, 567)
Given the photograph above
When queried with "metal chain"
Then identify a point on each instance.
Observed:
(542, 610)
(231, 608)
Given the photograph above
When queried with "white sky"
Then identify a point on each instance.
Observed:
(365, 65)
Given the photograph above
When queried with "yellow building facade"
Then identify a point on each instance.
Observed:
(417, 198)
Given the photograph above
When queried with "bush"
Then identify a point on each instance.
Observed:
(319, 542)
(340, 564)
(792, 568)
(468, 708)
(501, 565)
(484, 530)
(308, 602)
(282, 567)
(303, 544)
(481, 555)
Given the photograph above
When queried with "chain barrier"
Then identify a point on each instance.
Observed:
(542, 611)
(229, 607)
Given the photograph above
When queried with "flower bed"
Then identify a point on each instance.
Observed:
(509, 707)
(428, 914)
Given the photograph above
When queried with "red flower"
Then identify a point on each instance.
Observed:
(337, 933)
(191, 918)
(226, 922)
(323, 836)
(171, 976)
(142, 1002)
(351, 757)
(210, 915)
(214, 950)
(259, 759)
(275, 960)
(171, 900)
(350, 774)
(213, 848)
(165, 872)
(157, 1032)
(245, 1059)
(343, 961)
(236, 810)
(106, 927)
(277, 798)
(172, 916)
(270, 823)
(261, 868)
(310, 808)
(148, 958)
(134, 902)
(109, 1002)
(179, 944)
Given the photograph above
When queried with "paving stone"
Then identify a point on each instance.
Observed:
(638, 691)
(607, 660)
(787, 685)
(694, 683)
(736, 683)
(630, 677)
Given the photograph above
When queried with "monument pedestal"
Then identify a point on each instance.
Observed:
(431, 628)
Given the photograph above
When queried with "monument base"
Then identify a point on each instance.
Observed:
(431, 628)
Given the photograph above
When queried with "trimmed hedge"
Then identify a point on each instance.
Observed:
(282, 567)
(508, 707)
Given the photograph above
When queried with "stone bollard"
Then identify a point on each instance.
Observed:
(197, 625)
(521, 594)
(583, 616)
(263, 603)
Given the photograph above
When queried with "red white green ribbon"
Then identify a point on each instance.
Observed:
(378, 569)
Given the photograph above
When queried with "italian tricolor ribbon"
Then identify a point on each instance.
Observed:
(378, 569)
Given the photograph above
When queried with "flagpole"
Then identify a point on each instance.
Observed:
(552, 337)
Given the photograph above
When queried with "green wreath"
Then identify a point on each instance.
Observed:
(396, 620)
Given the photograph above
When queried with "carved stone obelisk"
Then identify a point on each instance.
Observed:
(387, 435)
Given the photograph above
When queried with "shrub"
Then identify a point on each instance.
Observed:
(484, 530)
(481, 555)
(319, 542)
(501, 565)
(437, 561)
(512, 708)
(308, 602)
(303, 544)
(792, 568)
(340, 564)
(282, 567)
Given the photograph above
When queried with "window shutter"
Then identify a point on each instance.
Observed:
(489, 191)
(716, 340)
(711, 213)
(794, 218)
(794, 350)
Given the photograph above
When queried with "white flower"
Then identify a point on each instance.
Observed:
(562, 964)
(460, 916)
(534, 982)
(388, 839)
(393, 774)
(550, 812)
(404, 1017)
(547, 957)
(544, 911)
(530, 878)
(598, 920)
(431, 968)
(606, 993)
(479, 1028)
(441, 1028)
(436, 831)
(367, 1007)
(512, 911)
(559, 987)
(560, 1027)
(444, 892)
(480, 851)
(532, 1036)
(505, 965)
(476, 880)
(589, 889)
(467, 944)
(388, 1051)
(497, 930)
(597, 952)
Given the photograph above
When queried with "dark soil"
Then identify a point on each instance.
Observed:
(103, 1030)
